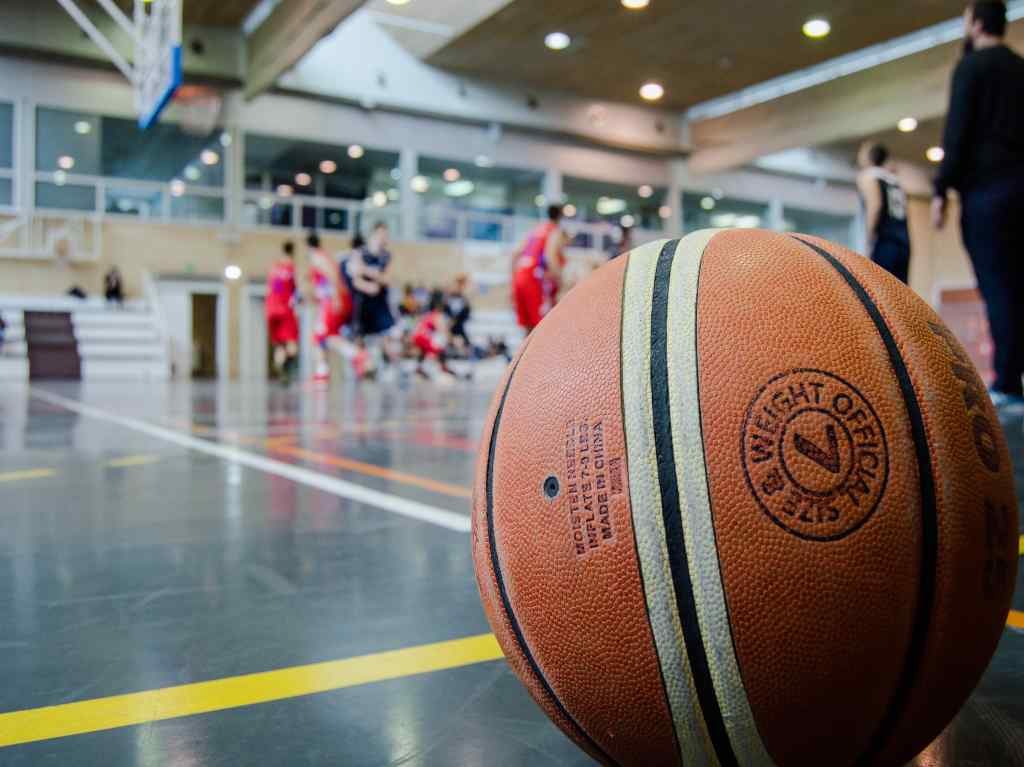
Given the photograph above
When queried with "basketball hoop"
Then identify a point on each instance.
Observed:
(199, 109)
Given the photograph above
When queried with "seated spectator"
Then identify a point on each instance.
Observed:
(410, 305)
(113, 288)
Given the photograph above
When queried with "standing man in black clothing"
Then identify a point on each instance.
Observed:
(885, 211)
(984, 162)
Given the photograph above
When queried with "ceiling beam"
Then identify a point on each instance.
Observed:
(850, 107)
(287, 34)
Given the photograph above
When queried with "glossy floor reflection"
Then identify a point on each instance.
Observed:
(131, 563)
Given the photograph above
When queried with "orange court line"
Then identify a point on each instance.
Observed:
(368, 469)
(1015, 620)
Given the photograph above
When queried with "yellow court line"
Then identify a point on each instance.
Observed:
(232, 692)
(1020, 547)
(16, 476)
(1015, 620)
(132, 460)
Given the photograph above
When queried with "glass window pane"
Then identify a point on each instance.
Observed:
(707, 211)
(65, 196)
(267, 211)
(597, 201)
(6, 135)
(127, 201)
(197, 207)
(829, 226)
(6, 192)
(488, 190)
(89, 144)
(321, 170)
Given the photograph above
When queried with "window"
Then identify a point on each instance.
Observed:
(715, 211)
(597, 201)
(6, 154)
(83, 150)
(829, 226)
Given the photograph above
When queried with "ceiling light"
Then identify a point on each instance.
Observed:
(817, 28)
(303, 179)
(232, 271)
(459, 188)
(748, 222)
(82, 127)
(645, 191)
(355, 151)
(651, 91)
(225, 139)
(177, 187)
(665, 211)
(627, 221)
(284, 190)
(708, 203)
(328, 166)
(125, 205)
(60, 178)
(483, 161)
(935, 154)
(192, 173)
(379, 199)
(540, 201)
(66, 162)
(419, 184)
(452, 174)
(907, 125)
(398, 2)
(569, 210)
(557, 41)
(635, 5)
(209, 157)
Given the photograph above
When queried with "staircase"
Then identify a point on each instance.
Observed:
(107, 343)
(51, 346)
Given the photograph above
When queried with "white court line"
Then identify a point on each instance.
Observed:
(328, 484)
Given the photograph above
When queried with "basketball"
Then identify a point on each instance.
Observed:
(742, 499)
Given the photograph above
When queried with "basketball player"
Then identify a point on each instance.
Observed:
(282, 326)
(368, 268)
(885, 211)
(431, 337)
(984, 161)
(334, 302)
(538, 270)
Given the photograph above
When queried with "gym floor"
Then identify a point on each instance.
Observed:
(161, 553)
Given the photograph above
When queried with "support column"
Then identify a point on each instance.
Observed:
(409, 201)
(674, 198)
(24, 155)
(552, 186)
(234, 179)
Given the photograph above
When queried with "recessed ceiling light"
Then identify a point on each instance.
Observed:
(627, 221)
(635, 5)
(557, 41)
(459, 188)
(380, 199)
(328, 166)
(284, 190)
(645, 191)
(452, 174)
(419, 184)
(907, 125)
(355, 151)
(817, 28)
(708, 203)
(177, 187)
(82, 127)
(209, 157)
(651, 91)
(540, 201)
(665, 211)
(303, 179)
(935, 154)
(225, 139)
(192, 173)
(66, 162)
(569, 210)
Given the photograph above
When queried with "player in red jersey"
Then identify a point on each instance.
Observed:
(538, 270)
(430, 337)
(335, 305)
(282, 325)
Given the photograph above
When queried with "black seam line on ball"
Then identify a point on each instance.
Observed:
(672, 515)
(636, 544)
(496, 567)
(929, 519)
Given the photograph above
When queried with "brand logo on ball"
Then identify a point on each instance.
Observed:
(815, 454)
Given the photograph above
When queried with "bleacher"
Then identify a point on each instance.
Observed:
(112, 343)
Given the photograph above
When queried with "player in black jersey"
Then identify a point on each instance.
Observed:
(885, 211)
